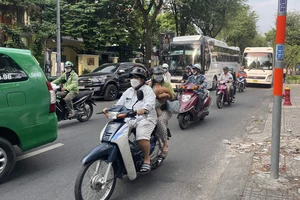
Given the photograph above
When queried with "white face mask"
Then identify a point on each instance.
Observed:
(135, 83)
(68, 69)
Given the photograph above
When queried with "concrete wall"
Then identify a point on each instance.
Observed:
(88, 62)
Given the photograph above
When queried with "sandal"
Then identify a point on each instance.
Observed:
(145, 168)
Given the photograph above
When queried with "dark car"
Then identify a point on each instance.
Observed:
(108, 80)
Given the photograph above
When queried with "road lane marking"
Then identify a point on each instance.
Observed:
(34, 153)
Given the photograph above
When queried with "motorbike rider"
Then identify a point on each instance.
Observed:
(199, 79)
(232, 72)
(187, 74)
(227, 77)
(163, 91)
(70, 90)
(167, 75)
(243, 73)
(145, 126)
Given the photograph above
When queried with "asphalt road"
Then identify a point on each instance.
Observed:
(195, 163)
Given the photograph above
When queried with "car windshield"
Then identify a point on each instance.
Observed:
(258, 60)
(106, 69)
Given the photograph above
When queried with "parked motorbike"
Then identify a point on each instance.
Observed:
(223, 94)
(241, 82)
(116, 156)
(82, 104)
(188, 101)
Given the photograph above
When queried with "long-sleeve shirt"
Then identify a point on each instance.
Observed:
(167, 77)
(198, 80)
(129, 98)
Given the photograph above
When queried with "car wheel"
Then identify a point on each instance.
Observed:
(111, 93)
(7, 158)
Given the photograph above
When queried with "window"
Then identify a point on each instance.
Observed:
(10, 71)
(126, 68)
(106, 69)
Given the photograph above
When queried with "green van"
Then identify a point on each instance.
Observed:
(27, 106)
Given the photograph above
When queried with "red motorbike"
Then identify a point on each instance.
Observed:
(223, 94)
(188, 101)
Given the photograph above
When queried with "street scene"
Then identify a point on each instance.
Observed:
(149, 99)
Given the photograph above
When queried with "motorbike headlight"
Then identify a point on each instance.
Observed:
(185, 98)
(112, 115)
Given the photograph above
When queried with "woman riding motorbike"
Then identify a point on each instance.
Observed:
(163, 91)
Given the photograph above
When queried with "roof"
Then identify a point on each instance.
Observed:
(14, 51)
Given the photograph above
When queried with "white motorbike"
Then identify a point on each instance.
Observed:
(116, 156)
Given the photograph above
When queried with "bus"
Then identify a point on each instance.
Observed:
(210, 53)
(258, 63)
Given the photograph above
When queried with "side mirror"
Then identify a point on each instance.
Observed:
(121, 71)
(140, 95)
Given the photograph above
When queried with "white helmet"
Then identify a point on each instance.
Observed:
(198, 66)
(165, 65)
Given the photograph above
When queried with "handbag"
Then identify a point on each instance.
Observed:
(173, 106)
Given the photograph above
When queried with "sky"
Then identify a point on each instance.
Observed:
(267, 12)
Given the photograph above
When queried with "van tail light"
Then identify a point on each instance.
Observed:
(52, 98)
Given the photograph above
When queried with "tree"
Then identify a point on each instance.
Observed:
(149, 11)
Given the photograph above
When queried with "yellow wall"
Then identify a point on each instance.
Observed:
(83, 62)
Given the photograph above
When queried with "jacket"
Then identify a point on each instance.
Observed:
(71, 84)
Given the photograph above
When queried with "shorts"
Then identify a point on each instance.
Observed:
(144, 129)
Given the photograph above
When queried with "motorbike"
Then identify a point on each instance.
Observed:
(188, 101)
(82, 104)
(241, 82)
(117, 155)
(223, 94)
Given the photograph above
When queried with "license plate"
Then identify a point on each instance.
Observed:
(255, 81)
(81, 87)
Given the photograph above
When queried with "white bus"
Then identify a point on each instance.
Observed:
(212, 54)
(258, 63)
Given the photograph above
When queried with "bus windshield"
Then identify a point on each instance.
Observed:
(183, 55)
(258, 60)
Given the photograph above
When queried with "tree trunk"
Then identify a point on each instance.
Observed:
(148, 46)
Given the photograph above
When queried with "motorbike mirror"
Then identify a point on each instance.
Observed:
(140, 95)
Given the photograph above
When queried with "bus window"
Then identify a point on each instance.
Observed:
(258, 60)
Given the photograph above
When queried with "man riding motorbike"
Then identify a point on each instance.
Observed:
(167, 75)
(225, 76)
(70, 90)
(187, 74)
(243, 73)
(163, 91)
(198, 79)
(232, 72)
(145, 126)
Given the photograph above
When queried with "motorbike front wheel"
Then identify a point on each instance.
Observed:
(88, 110)
(90, 181)
(220, 102)
(183, 120)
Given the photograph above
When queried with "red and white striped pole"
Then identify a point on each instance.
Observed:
(278, 86)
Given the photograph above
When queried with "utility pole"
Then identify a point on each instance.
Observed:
(278, 86)
(58, 49)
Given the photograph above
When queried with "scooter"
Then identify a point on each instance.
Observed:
(241, 82)
(223, 94)
(188, 101)
(117, 155)
(82, 103)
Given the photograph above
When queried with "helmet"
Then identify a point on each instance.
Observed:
(165, 65)
(188, 67)
(196, 66)
(158, 70)
(69, 64)
(138, 71)
(230, 68)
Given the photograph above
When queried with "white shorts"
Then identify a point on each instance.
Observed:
(144, 129)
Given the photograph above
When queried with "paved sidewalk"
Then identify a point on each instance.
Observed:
(259, 184)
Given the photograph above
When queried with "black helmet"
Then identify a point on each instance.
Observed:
(225, 68)
(158, 70)
(139, 71)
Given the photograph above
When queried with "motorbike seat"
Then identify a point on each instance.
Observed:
(81, 94)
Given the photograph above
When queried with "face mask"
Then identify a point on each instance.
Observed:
(158, 78)
(195, 72)
(68, 70)
(134, 83)
(165, 70)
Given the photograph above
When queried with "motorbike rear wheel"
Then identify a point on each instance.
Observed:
(89, 182)
(220, 102)
(88, 109)
(183, 120)
(240, 87)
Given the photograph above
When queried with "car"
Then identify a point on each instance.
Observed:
(108, 80)
(27, 107)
